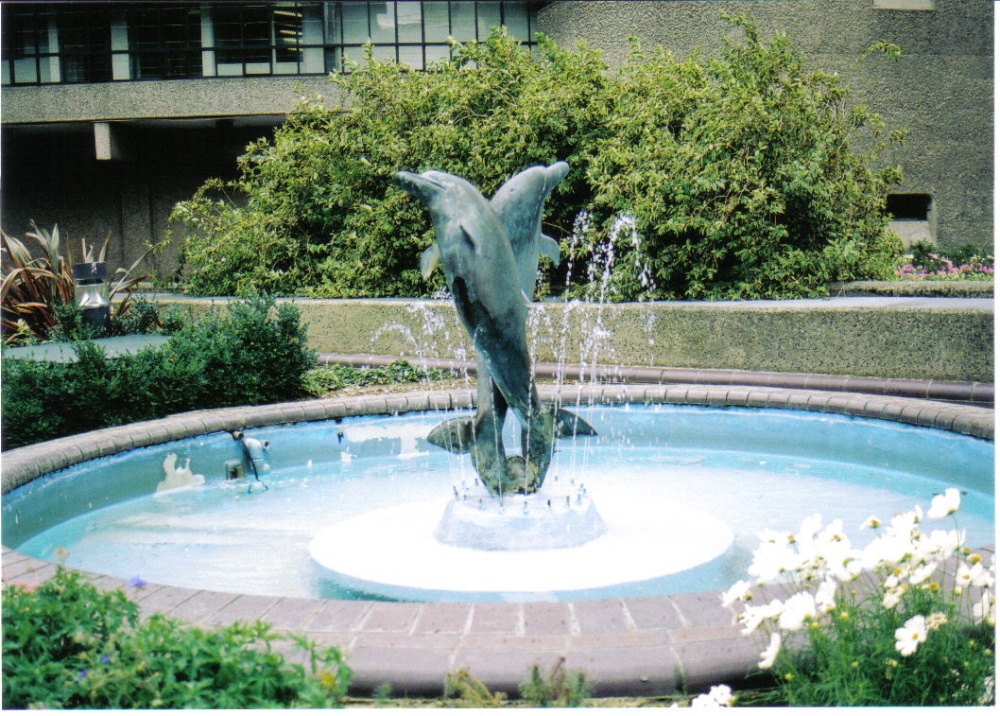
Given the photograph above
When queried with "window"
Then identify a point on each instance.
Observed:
(268, 38)
(101, 42)
(56, 44)
(912, 217)
(415, 33)
(161, 41)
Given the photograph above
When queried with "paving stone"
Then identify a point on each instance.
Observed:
(643, 671)
(202, 605)
(709, 662)
(490, 618)
(245, 608)
(292, 613)
(703, 609)
(443, 618)
(400, 640)
(501, 642)
(421, 670)
(163, 600)
(653, 613)
(336, 616)
(638, 638)
(547, 618)
(601, 617)
(385, 616)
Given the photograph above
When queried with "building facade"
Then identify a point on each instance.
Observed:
(111, 112)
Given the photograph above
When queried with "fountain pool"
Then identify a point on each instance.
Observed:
(351, 505)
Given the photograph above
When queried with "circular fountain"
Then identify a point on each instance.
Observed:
(353, 504)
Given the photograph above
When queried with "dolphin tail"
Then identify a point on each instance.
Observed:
(455, 435)
(568, 425)
(550, 247)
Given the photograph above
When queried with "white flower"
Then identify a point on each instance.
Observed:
(911, 635)
(826, 596)
(972, 575)
(717, 696)
(769, 654)
(809, 528)
(944, 505)
(936, 620)
(904, 522)
(985, 609)
(771, 560)
(739, 591)
(922, 572)
(752, 617)
(892, 596)
(797, 609)
(871, 523)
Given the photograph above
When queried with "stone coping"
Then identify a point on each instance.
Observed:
(627, 646)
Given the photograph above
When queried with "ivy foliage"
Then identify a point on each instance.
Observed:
(739, 173)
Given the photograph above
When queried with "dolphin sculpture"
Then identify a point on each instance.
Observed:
(518, 204)
(485, 280)
(477, 251)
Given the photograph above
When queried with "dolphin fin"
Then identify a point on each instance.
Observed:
(549, 247)
(429, 260)
(453, 435)
(568, 425)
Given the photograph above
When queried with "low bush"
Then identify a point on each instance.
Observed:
(256, 353)
(68, 645)
(740, 174)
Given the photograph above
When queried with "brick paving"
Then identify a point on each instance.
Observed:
(630, 646)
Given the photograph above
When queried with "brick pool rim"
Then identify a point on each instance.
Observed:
(627, 646)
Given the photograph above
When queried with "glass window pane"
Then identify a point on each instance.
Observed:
(489, 17)
(437, 53)
(436, 26)
(515, 18)
(382, 22)
(412, 56)
(354, 22)
(463, 21)
(409, 22)
(384, 53)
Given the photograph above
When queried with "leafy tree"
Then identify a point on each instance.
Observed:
(738, 173)
(741, 177)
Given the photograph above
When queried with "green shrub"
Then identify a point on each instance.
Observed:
(68, 645)
(317, 210)
(740, 176)
(738, 173)
(254, 354)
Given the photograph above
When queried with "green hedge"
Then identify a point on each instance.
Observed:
(738, 174)
(253, 354)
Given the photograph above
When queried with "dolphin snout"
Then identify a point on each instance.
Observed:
(419, 185)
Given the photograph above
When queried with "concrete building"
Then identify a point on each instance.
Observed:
(113, 111)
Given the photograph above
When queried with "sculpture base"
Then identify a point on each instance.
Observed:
(522, 522)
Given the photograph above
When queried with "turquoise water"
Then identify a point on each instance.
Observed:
(752, 469)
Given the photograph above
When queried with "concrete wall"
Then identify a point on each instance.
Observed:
(920, 338)
(941, 89)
